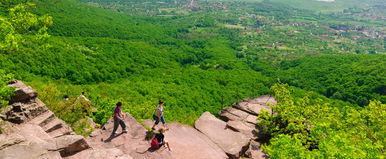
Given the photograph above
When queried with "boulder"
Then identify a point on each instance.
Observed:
(264, 100)
(26, 142)
(32, 131)
(16, 117)
(249, 130)
(255, 152)
(54, 126)
(70, 144)
(23, 93)
(252, 108)
(10, 140)
(25, 150)
(232, 114)
(23, 112)
(233, 143)
(187, 142)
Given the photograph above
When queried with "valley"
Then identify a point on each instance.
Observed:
(199, 56)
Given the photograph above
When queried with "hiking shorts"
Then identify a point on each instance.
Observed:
(157, 120)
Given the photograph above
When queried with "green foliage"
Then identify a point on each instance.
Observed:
(150, 133)
(5, 91)
(294, 148)
(73, 111)
(356, 79)
(187, 92)
(21, 27)
(316, 128)
(82, 127)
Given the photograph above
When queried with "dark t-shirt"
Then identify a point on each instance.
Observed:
(160, 137)
(118, 112)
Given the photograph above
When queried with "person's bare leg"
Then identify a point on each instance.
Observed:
(165, 126)
(168, 146)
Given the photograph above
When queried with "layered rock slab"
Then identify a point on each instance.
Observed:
(255, 105)
(25, 143)
(233, 143)
(187, 142)
(23, 93)
(254, 151)
(33, 132)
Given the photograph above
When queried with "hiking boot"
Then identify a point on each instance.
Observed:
(124, 131)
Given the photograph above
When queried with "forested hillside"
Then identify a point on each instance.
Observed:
(204, 56)
(357, 79)
(194, 74)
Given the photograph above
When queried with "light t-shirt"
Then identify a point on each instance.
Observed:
(161, 109)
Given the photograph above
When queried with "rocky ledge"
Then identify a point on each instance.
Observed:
(32, 131)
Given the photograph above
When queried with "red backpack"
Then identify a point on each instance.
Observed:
(154, 143)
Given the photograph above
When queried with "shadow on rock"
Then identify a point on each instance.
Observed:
(112, 137)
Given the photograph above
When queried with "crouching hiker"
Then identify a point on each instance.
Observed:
(159, 141)
(119, 119)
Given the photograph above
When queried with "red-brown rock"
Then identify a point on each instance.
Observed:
(233, 143)
(255, 152)
(249, 130)
(70, 144)
(25, 142)
(23, 93)
(232, 114)
(188, 143)
(264, 100)
(252, 108)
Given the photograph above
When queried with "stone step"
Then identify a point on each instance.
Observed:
(43, 119)
(70, 144)
(60, 132)
(234, 114)
(53, 125)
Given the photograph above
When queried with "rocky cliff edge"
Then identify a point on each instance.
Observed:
(31, 131)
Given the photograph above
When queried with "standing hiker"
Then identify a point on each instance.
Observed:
(159, 115)
(118, 119)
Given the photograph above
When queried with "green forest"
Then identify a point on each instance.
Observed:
(325, 65)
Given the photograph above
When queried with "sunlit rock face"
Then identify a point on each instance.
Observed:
(33, 131)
